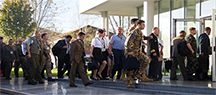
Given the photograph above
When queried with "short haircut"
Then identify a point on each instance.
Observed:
(207, 29)
(100, 31)
(192, 29)
(44, 34)
(10, 40)
(81, 33)
(155, 28)
(1, 38)
(68, 36)
(134, 20)
(141, 21)
(182, 31)
(36, 31)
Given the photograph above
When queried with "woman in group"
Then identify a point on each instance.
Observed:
(97, 47)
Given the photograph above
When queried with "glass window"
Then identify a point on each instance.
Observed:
(177, 12)
(164, 25)
(207, 6)
(140, 12)
(156, 14)
(192, 11)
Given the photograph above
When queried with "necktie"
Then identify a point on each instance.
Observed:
(103, 43)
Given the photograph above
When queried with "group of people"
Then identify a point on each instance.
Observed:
(121, 47)
(34, 55)
(198, 66)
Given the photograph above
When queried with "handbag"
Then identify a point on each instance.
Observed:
(92, 65)
(168, 65)
(131, 63)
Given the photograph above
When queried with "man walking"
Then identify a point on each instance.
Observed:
(21, 60)
(191, 58)
(153, 53)
(77, 53)
(10, 54)
(133, 45)
(33, 47)
(178, 59)
(204, 50)
(63, 57)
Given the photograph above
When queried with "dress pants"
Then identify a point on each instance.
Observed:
(178, 61)
(118, 60)
(35, 68)
(8, 67)
(21, 62)
(61, 62)
(78, 66)
(153, 67)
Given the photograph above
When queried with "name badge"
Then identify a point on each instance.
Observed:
(39, 48)
(47, 48)
(11, 52)
(103, 49)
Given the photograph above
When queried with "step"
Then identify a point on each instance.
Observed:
(145, 91)
(160, 87)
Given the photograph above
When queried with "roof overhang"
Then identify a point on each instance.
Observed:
(114, 7)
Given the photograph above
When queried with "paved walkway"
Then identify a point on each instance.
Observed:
(60, 87)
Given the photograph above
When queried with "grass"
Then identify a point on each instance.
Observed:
(55, 72)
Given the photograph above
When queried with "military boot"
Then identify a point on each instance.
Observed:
(139, 77)
(129, 83)
(122, 78)
(146, 79)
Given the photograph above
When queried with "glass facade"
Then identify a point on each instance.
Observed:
(167, 10)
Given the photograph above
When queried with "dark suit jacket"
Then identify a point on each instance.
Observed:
(60, 44)
(152, 46)
(77, 51)
(204, 44)
(1, 51)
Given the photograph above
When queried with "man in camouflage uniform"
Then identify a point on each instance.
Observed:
(46, 57)
(134, 22)
(9, 55)
(133, 48)
(191, 58)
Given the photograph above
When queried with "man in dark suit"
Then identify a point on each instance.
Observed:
(77, 53)
(153, 53)
(204, 50)
(63, 56)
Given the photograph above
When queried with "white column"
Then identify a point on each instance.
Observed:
(105, 21)
(213, 45)
(148, 13)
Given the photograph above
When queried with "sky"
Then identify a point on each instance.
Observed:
(66, 18)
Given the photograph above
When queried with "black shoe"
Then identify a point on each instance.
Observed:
(41, 82)
(173, 79)
(99, 77)
(33, 83)
(89, 83)
(191, 78)
(50, 79)
(8, 78)
(17, 76)
(73, 85)
(60, 76)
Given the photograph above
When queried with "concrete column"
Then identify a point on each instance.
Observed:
(148, 13)
(105, 21)
(213, 45)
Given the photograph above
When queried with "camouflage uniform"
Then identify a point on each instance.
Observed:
(122, 78)
(192, 62)
(133, 44)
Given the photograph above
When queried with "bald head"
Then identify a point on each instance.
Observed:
(20, 41)
(156, 31)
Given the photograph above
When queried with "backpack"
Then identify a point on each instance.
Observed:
(183, 50)
(55, 50)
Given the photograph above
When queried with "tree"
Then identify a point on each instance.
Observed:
(16, 19)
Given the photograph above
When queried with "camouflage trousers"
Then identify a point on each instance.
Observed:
(192, 64)
(144, 62)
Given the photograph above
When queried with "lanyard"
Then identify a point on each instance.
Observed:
(122, 42)
(102, 42)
